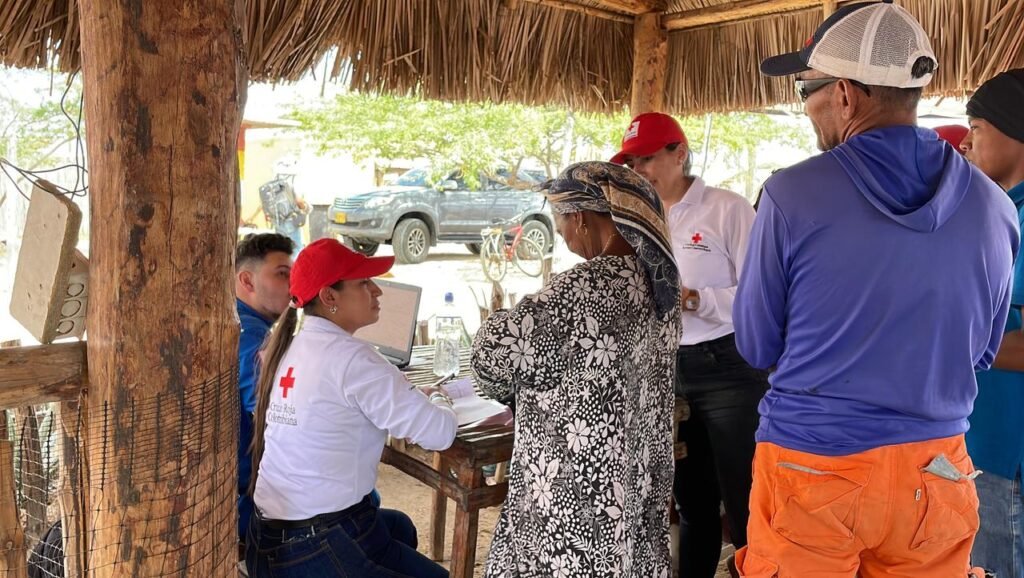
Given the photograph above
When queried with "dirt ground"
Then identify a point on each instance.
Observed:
(401, 492)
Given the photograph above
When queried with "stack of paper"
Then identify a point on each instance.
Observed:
(468, 406)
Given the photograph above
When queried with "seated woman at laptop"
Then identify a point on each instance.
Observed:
(325, 404)
(590, 362)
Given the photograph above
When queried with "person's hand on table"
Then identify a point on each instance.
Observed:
(436, 394)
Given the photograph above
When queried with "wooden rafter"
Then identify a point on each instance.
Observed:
(735, 11)
(588, 10)
(633, 6)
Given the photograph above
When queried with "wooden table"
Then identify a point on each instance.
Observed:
(457, 472)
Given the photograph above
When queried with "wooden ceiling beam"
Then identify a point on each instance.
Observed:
(740, 10)
(633, 6)
(588, 10)
(42, 373)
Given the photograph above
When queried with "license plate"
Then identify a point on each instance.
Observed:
(340, 218)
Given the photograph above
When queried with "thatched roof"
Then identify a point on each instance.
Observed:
(572, 52)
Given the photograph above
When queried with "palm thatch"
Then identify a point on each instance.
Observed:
(577, 53)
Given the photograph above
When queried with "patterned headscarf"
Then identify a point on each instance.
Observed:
(636, 211)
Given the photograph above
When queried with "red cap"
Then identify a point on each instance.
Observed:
(325, 262)
(953, 134)
(649, 133)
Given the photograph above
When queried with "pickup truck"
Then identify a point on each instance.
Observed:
(413, 214)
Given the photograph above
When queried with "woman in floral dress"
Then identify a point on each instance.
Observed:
(590, 362)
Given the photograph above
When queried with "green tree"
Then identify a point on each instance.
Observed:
(33, 127)
(475, 138)
(478, 137)
(34, 130)
(739, 141)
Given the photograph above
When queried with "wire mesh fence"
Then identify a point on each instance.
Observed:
(146, 488)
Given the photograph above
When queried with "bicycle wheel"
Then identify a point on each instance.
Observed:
(529, 257)
(492, 258)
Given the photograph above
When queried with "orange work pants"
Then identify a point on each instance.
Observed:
(878, 513)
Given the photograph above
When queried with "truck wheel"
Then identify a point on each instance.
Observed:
(411, 241)
(538, 232)
(365, 247)
(474, 248)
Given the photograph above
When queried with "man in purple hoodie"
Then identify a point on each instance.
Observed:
(877, 282)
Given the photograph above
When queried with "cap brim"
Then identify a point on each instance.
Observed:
(371, 267)
(784, 65)
(636, 151)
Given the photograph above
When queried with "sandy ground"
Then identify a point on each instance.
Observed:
(401, 492)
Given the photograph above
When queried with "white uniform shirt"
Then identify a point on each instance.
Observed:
(710, 228)
(334, 401)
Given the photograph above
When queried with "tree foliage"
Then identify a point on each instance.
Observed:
(478, 137)
(33, 124)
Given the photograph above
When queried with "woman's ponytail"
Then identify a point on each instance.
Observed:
(277, 344)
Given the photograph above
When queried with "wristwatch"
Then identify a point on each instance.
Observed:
(692, 301)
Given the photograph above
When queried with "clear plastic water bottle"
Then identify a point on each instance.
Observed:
(448, 331)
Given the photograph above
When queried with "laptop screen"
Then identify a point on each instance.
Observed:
(393, 333)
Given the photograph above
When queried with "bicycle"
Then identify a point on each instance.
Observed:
(495, 252)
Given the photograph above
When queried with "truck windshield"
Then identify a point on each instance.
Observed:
(414, 178)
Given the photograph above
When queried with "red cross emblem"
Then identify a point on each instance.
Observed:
(696, 238)
(287, 382)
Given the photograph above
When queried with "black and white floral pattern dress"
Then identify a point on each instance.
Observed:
(590, 366)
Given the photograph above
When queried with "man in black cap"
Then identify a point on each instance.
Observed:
(995, 144)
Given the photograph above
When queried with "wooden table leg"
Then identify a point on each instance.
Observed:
(438, 514)
(466, 522)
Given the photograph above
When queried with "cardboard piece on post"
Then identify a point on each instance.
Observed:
(51, 282)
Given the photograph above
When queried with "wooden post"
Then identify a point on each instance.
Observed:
(12, 538)
(422, 332)
(466, 525)
(438, 513)
(650, 64)
(13, 548)
(497, 296)
(73, 494)
(33, 477)
(164, 87)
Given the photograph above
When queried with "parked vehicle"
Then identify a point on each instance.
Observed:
(413, 214)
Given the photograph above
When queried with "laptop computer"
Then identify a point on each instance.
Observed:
(393, 333)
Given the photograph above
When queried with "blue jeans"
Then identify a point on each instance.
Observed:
(999, 546)
(361, 541)
(245, 509)
(292, 232)
(723, 392)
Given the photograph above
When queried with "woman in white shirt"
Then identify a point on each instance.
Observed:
(326, 402)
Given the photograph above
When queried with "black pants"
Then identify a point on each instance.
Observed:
(723, 391)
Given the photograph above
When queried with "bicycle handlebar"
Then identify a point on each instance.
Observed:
(516, 220)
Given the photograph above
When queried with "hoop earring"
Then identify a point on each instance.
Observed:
(333, 309)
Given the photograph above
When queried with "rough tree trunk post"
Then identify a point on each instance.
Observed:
(164, 92)
(650, 64)
(13, 548)
(72, 495)
(12, 537)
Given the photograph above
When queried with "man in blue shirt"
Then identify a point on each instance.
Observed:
(995, 144)
(263, 264)
(876, 283)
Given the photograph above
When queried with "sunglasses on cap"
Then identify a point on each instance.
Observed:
(805, 88)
